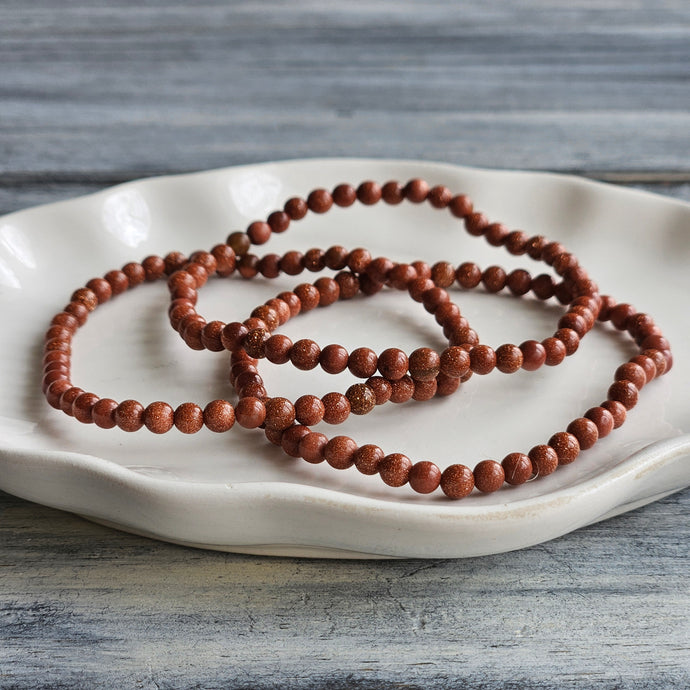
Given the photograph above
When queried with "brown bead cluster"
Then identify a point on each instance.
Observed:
(391, 375)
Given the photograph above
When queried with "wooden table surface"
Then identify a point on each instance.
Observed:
(95, 92)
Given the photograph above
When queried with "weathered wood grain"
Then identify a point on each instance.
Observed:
(101, 86)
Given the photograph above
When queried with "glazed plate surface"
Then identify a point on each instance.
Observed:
(235, 491)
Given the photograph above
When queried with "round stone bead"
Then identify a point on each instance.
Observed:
(457, 481)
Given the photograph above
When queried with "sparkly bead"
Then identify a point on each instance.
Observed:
(457, 481)
(267, 315)
(517, 468)
(508, 358)
(210, 336)
(367, 459)
(393, 363)
(433, 298)
(489, 476)
(569, 338)
(254, 342)
(309, 296)
(392, 192)
(494, 279)
(188, 418)
(647, 365)
(219, 416)
(401, 275)
(381, 388)
(129, 415)
(233, 334)
(291, 263)
(103, 413)
(296, 208)
(439, 196)
(516, 242)
(544, 460)
(555, 351)
(566, 446)
(624, 392)
(659, 360)
(159, 417)
(542, 286)
(309, 410)
(336, 408)
(348, 285)
(424, 364)
(362, 362)
(455, 361)
(225, 260)
(336, 257)
(468, 275)
(496, 233)
(402, 390)
(443, 274)
(344, 195)
(362, 399)
(333, 359)
(424, 477)
(277, 349)
(293, 301)
(82, 407)
(369, 193)
(617, 411)
(446, 385)
(519, 281)
(416, 191)
(475, 223)
(305, 354)
(585, 431)
(424, 390)
(394, 469)
(314, 260)
(633, 373)
(339, 452)
(482, 359)
(280, 413)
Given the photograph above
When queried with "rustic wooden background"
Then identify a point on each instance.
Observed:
(94, 92)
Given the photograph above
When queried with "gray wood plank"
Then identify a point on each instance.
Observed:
(130, 86)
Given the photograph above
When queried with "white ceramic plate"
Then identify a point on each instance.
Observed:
(236, 492)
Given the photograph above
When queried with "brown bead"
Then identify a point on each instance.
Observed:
(555, 351)
(336, 408)
(446, 385)
(417, 287)
(79, 311)
(369, 193)
(439, 196)
(416, 190)
(274, 436)
(633, 373)
(290, 439)
(542, 286)
(585, 431)
(339, 452)
(66, 320)
(362, 362)
(517, 468)
(402, 390)
(336, 257)
(320, 201)
(277, 349)
(333, 359)
(448, 315)
(314, 260)
(519, 281)
(455, 361)
(154, 267)
(174, 261)
(239, 243)
(188, 418)
(211, 336)
(250, 412)
(259, 232)
(381, 388)
(159, 417)
(569, 338)
(535, 246)
(309, 296)
(281, 308)
(460, 206)
(433, 298)
(624, 392)
(82, 407)
(233, 334)
(576, 322)
(118, 281)
(135, 275)
(424, 364)
(358, 260)
(348, 285)
(103, 413)
(482, 359)
(603, 420)
(129, 415)
(101, 288)
(267, 315)
(617, 411)
(344, 195)
(566, 446)
(254, 342)
(61, 395)
(508, 358)
(392, 364)
(476, 223)
(533, 355)
(457, 481)
(516, 242)
(423, 269)
(191, 330)
(291, 263)
(219, 416)
(401, 275)
(309, 410)
(489, 476)
(544, 460)
(563, 293)
(329, 291)
(394, 469)
(296, 208)
(367, 459)
(443, 274)
(647, 365)
(424, 477)
(280, 413)
(225, 260)
(311, 447)
(620, 314)
(659, 360)
(248, 266)
(362, 399)
(468, 275)
(305, 354)
(392, 192)
(496, 234)
(424, 390)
